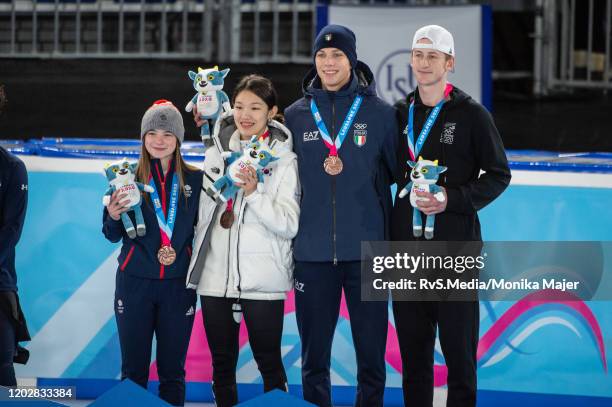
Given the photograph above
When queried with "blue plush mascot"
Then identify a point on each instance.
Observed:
(121, 176)
(256, 155)
(423, 178)
(210, 100)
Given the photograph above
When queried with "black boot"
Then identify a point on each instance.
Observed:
(225, 395)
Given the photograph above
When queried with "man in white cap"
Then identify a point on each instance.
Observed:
(440, 122)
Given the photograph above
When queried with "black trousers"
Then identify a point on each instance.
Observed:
(144, 307)
(458, 324)
(318, 292)
(7, 351)
(264, 322)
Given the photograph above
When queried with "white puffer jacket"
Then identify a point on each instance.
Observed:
(253, 259)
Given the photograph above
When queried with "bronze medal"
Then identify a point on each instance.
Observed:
(227, 219)
(333, 165)
(166, 255)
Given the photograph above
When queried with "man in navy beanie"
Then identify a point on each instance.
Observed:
(345, 138)
(340, 37)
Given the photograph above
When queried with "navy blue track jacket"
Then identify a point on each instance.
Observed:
(338, 212)
(138, 256)
(13, 203)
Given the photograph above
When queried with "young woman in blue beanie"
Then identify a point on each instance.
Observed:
(150, 293)
(345, 139)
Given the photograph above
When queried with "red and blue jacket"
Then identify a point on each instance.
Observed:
(138, 256)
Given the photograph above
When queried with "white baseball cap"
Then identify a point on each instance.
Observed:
(441, 39)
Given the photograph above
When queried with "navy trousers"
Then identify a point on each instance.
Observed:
(144, 307)
(318, 290)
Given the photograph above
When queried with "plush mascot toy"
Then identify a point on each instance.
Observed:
(121, 176)
(210, 100)
(423, 178)
(256, 155)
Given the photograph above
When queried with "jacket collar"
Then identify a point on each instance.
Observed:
(234, 142)
(227, 136)
(316, 88)
(456, 97)
(156, 169)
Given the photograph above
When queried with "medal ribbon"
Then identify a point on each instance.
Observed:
(230, 205)
(264, 136)
(431, 119)
(166, 227)
(346, 125)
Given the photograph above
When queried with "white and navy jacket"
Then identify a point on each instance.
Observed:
(253, 259)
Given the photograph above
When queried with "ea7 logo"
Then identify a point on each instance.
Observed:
(311, 135)
(299, 286)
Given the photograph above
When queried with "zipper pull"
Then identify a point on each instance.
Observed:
(237, 312)
(335, 261)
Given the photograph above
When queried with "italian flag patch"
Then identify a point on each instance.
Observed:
(359, 140)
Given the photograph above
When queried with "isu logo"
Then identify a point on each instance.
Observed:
(394, 79)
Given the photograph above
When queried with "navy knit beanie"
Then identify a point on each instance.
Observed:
(337, 36)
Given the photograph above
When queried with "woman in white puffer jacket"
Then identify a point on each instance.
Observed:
(242, 261)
